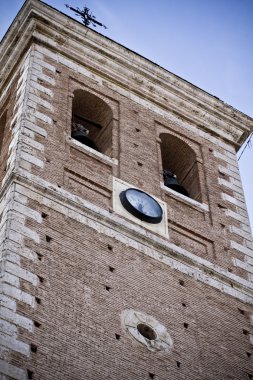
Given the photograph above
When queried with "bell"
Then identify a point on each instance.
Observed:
(170, 180)
(80, 134)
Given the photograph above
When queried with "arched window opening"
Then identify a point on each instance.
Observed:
(92, 121)
(180, 167)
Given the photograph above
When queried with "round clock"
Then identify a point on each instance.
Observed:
(141, 205)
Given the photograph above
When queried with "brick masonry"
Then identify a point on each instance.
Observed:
(72, 267)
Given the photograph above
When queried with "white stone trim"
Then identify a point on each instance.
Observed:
(31, 159)
(244, 265)
(15, 211)
(229, 172)
(190, 201)
(35, 87)
(227, 158)
(33, 114)
(230, 185)
(35, 100)
(35, 128)
(12, 371)
(14, 345)
(234, 201)
(237, 217)
(241, 248)
(13, 317)
(91, 152)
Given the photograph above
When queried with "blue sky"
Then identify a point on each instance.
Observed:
(207, 42)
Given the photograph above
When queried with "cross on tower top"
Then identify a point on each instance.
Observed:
(87, 16)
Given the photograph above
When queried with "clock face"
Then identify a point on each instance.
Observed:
(141, 205)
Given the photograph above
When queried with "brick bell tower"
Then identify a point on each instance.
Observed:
(126, 249)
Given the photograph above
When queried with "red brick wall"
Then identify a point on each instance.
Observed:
(78, 316)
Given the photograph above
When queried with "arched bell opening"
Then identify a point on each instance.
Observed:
(92, 121)
(180, 166)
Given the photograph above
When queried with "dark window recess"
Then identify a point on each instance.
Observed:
(180, 166)
(92, 121)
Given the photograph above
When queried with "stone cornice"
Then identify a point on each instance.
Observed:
(121, 67)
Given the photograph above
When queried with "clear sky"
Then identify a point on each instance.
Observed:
(207, 42)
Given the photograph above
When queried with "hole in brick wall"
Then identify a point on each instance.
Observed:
(58, 71)
(48, 238)
(110, 247)
(29, 374)
(241, 311)
(222, 207)
(48, 160)
(59, 186)
(117, 336)
(137, 129)
(136, 145)
(183, 304)
(38, 300)
(139, 164)
(230, 270)
(210, 150)
(41, 279)
(111, 269)
(245, 332)
(186, 325)
(178, 364)
(181, 282)
(13, 125)
(33, 347)
(36, 324)
(108, 288)
(39, 255)
(249, 354)
(231, 285)
(250, 376)
(151, 375)
(44, 215)
(146, 331)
